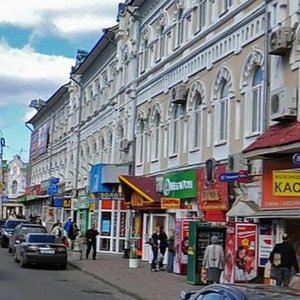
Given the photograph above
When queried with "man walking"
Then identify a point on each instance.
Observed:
(283, 258)
(91, 241)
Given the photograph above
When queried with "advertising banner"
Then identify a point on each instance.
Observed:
(166, 203)
(245, 268)
(230, 251)
(213, 193)
(181, 245)
(286, 183)
(265, 244)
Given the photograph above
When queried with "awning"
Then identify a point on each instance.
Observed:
(279, 138)
(140, 190)
(276, 214)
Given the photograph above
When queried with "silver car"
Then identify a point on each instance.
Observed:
(41, 248)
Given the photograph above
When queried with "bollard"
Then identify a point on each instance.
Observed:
(77, 251)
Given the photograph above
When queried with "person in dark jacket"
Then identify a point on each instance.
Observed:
(91, 241)
(163, 245)
(154, 242)
(283, 258)
(171, 252)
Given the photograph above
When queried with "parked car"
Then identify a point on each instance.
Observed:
(21, 230)
(241, 292)
(8, 229)
(41, 248)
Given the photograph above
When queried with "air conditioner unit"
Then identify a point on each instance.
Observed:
(179, 94)
(124, 145)
(284, 104)
(280, 41)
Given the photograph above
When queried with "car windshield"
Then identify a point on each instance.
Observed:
(36, 238)
(26, 230)
(12, 224)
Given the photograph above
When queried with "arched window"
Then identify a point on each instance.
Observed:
(256, 103)
(156, 137)
(14, 187)
(175, 130)
(223, 111)
(197, 121)
(180, 27)
(140, 142)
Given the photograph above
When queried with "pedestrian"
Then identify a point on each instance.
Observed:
(163, 245)
(60, 233)
(283, 258)
(154, 243)
(74, 231)
(91, 241)
(171, 251)
(68, 225)
(213, 260)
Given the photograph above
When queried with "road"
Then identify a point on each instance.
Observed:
(50, 284)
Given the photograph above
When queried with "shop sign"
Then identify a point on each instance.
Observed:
(286, 183)
(110, 196)
(96, 184)
(233, 176)
(67, 203)
(212, 195)
(167, 203)
(180, 185)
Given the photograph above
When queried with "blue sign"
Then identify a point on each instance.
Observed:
(58, 202)
(96, 185)
(232, 177)
(296, 159)
(53, 189)
(5, 198)
(54, 180)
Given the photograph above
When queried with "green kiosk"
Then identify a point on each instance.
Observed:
(200, 234)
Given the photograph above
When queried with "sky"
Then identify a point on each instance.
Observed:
(38, 44)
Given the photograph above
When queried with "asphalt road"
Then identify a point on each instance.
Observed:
(43, 283)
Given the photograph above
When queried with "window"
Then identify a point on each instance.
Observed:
(175, 130)
(14, 187)
(102, 153)
(109, 147)
(120, 137)
(227, 4)
(145, 54)
(256, 105)
(161, 42)
(223, 111)
(202, 13)
(197, 121)
(156, 137)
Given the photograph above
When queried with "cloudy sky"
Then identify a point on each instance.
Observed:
(38, 44)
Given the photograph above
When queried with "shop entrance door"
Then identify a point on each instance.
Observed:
(146, 248)
(161, 220)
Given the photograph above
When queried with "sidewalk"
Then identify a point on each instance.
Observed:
(140, 283)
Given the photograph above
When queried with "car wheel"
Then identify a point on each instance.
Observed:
(23, 263)
(15, 257)
(9, 250)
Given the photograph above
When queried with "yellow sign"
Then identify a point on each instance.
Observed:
(166, 203)
(2, 186)
(286, 183)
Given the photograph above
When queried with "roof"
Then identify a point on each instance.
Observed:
(277, 135)
(145, 186)
(276, 214)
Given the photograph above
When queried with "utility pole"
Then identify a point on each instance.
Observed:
(2, 186)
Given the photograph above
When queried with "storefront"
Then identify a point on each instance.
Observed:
(107, 208)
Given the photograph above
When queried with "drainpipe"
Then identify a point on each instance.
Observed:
(78, 143)
(267, 70)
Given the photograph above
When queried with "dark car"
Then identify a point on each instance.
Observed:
(241, 292)
(21, 230)
(8, 229)
(38, 248)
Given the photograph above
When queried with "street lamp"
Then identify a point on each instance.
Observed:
(2, 186)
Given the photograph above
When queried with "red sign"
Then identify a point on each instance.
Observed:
(212, 195)
(230, 253)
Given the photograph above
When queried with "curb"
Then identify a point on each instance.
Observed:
(124, 291)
